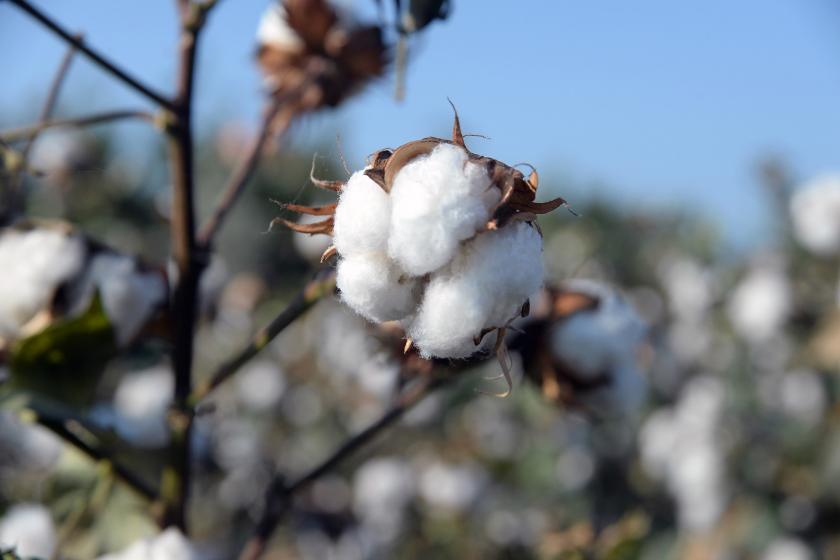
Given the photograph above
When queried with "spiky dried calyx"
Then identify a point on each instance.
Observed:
(311, 58)
(439, 238)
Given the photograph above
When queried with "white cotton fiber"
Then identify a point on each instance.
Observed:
(815, 214)
(485, 286)
(141, 403)
(35, 264)
(371, 285)
(437, 201)
(362, 217)
(275, 31)
(129, 295)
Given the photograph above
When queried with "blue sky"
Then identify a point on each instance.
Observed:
(654, 103)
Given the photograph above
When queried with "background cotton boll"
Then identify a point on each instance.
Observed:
(35, 263)
(28, 529)
(371, 286)
(815, 213)
(788, 548)
(594, 341)
(260, 385)
(760, 304)
(450, 487)
(362, 217)
(129, 295)
(438, 201)
(141, 402)
(485, 286)
(28, 447)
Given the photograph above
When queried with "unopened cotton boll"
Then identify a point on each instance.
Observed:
(28, 529)
(362, 217)
(815, 213)
(35, 263)
(438, 201)
(372, 286)
(484, 287)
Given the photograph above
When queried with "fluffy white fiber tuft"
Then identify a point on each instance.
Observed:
(274, 30)
(485, 286)
(438, 201)
(362, 217)
(815, 212)
(372, 286)
(35, 264)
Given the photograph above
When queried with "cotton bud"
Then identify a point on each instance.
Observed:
(312, 58)
(436, 237)
(581, 348)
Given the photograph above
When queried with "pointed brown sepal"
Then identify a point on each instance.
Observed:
(329, 253)
(334, 186)
(378, 177)
(324, 226)
(539, 207)
(457, 135)
(407, 347)
(533, 179)
(325, 210)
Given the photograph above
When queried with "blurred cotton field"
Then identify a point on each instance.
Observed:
(672, 395)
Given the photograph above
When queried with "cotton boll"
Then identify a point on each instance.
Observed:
(592, 342)
(141, 403)
(815, 213)
(788, 548)
(485, 286)
(29, 530)
(35, 263)
(129, 295)
(438, 201)
(362, 217)
(760, 304)
(450, 487)
(373, 287)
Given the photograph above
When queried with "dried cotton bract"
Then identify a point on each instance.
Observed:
(438, 238)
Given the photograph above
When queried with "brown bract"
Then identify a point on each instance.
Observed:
(332, 60)
(518, 192)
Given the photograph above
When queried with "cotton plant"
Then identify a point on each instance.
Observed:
(439, 239)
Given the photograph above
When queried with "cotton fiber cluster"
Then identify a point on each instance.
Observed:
(421, 254)
(43, 260)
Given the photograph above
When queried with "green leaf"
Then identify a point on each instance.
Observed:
(66, 359)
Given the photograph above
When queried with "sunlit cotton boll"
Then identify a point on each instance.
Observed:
(382, 488)
(35, 263)
(438, 201)
(168, 545)
(485, 286)
(141, 403)
(274, 30)
(787, 548)
(29, 530)
(760, 304)
(815, 213)
(449, 487)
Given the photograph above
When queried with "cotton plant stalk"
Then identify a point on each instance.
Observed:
(439, 239)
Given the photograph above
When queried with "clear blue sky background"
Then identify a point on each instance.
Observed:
(655, 103)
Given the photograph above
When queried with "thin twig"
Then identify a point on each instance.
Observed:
(107, 65)
(279, 494)
(15, 200)
(189, 261)
(320, 286)
(62, 427)
(22, 133)
(244, 170)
